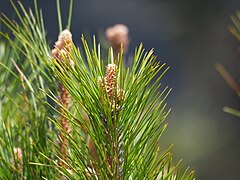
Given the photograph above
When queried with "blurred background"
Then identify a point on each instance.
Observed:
(190, 36)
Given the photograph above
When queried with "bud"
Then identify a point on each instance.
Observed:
(63, 45)
(64, 40)
(18, 153)
(18, 156)
(117, 36)
(110, 79)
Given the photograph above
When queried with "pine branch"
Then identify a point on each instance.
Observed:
(126, 112)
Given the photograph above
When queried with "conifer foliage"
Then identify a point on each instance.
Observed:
(71, 113)
(234, 29)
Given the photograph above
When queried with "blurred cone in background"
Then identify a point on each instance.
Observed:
(117, 36)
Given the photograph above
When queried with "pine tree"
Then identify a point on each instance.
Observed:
(70, 113)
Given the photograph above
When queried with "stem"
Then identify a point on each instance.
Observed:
(70, 14)
(59, 15)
